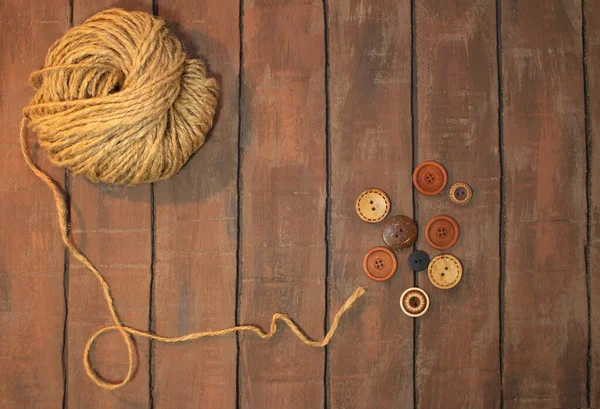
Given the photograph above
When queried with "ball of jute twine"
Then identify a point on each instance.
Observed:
(118, 102)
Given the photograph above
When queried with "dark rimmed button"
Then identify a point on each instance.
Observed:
(442, 232)
(373, 205)
(399, 232)
(430, 178)
(380, 263)
(414, 302)
(418, 260)
(445, 271)
(461, 193)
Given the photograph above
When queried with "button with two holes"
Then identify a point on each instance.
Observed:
(399, 232)
(461, 193)
(418, 260)
(373, 205)
(445, 271)
(380, 263)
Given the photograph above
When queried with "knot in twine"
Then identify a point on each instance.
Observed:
(118, 102)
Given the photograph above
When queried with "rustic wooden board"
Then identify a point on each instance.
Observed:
(545, 297)
(371, 358)
(283, 186)
(196, 225)
(592, 55)
(112, 226)
(32, 299)
(458, 339)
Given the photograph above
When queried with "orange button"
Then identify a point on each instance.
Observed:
(430, 178)
(372, 205)
(414, 302)
(380, 264)
(442, 232)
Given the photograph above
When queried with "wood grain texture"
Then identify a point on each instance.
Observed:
(545, 296)
(370, 360)
(32, 301)
(196, 228)
(592, 54)
(458, 339)
(112, 226)
(283, 175)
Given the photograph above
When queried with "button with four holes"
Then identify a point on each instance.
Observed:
(399, 232)
(461, 193)
(414, 302)
(380, 264)
(442, 232)
(373, 205)
(430, 178)
(418, 260)
(445, 271)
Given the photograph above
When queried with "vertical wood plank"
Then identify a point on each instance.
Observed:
(458, 339)
(32, 302)
(592, 55)
(371, 359)
(111, 224)
(283, 175)
(545, 295)
(196, 228)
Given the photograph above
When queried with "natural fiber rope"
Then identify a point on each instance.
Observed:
(118, 102)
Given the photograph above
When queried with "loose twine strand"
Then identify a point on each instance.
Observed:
(126, 331)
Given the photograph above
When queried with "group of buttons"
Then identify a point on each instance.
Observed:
(400, 232)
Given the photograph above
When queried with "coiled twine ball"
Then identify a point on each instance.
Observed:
(119, 102)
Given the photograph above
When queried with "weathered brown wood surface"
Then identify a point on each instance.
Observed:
(320, 100)
(457, 125)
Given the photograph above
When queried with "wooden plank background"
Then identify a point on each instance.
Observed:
(320, 100)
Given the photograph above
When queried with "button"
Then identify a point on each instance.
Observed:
(445, 271)
(399, 232)
(373, 205)
(442, 232)
(461, 193)
(418, 260)
(380, 264)
(414, 302)
(430, 178)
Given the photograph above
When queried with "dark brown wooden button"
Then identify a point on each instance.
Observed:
(430, 178)
(442, 232)
(445, 271)
(461, 193)
(414, 302)
(399, 232)
(380, 264)
(373, 205)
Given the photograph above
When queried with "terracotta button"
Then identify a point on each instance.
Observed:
(445, 271)
(372, 205)
(399, 232)
(461, 193)
(414, 302)
(380, 264)
(442, 232)
(418, 260)
(430, 178)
